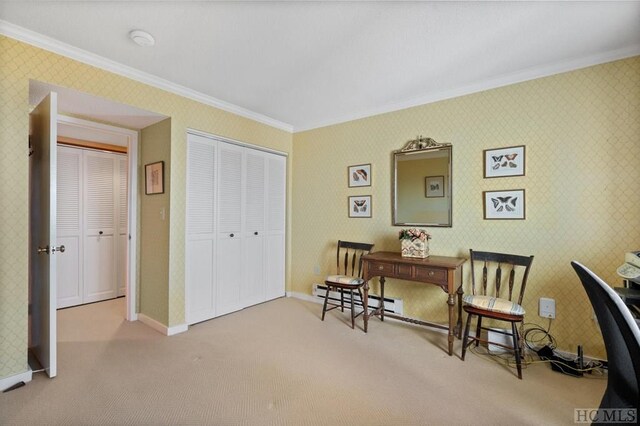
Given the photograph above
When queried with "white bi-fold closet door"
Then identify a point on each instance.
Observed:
(235, 240)
(92, 225)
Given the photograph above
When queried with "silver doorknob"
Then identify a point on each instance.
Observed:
(61, 249)
(43, 250)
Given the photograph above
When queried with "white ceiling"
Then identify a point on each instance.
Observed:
(301, 65)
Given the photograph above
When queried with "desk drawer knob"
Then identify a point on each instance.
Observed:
(431, 273)
(380, 268)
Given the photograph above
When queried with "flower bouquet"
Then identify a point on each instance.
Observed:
(415, 242)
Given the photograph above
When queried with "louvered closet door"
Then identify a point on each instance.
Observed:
(230, 203)
(276, 178)
(201, 237)
(69, 227)
(252, 288)
(100, 227)
(123, 232)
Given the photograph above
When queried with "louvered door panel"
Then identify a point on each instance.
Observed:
(229, 188)
(276, 192)
(275, 233)
(201, 181)
(252, 285)
(255, 192)
(69, 227)
(100, 193)
(123, 185)
(100, 239)
(123, 212)
(200, 259)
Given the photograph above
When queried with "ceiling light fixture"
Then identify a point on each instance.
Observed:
(142, 38)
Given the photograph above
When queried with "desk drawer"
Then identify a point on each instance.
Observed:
(382, 268)
(432, 275)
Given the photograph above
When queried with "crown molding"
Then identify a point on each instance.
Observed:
(493, 83)
(38, 40)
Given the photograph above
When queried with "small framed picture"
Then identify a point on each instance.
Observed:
(154, 178)
(502, 162)
(360, 206)
(504, 204)
(434, 186)
(360, 175)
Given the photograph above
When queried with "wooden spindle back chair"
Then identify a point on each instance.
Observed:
(348, 277)
(501, 301)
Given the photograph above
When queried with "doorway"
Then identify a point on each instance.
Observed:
(93, 221)
(43, 175)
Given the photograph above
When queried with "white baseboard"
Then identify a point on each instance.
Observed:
(161, 328)
(7, 382)
(303, 296)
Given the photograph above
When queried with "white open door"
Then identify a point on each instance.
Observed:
(42, 231)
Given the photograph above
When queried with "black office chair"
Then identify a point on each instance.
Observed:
(349, 277)
(621, 337)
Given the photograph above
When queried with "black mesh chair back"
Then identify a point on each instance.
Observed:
(621, 337)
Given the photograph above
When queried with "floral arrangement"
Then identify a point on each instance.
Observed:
(413, 234)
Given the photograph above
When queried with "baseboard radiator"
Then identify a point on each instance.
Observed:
(393, 306)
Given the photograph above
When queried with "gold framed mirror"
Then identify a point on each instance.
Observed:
(422, 184)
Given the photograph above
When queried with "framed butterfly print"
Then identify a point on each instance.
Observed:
(360, 206)
(360, 175)
(502, 162)
(508, 204)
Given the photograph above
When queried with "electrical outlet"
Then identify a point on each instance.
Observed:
(316, 270)
(547, 308)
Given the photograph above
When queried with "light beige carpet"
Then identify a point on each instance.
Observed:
(277, 363)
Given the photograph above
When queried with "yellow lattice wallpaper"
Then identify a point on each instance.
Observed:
(582, 135)
(155, 145)
(20, 62)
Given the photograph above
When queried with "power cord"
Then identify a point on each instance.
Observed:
(540, 341)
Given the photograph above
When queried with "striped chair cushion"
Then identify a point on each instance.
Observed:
(345, 279)
(493, 304)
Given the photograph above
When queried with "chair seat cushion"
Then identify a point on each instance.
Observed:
(493, 304)
(345, 279)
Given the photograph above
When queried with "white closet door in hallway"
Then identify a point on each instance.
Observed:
(92, 217)
(235, 217)
(70, 226)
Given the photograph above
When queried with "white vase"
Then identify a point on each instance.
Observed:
(415, 248)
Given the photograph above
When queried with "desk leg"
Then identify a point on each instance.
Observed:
(451, 301)
(381, 305)
(365, 304)
(458, 330)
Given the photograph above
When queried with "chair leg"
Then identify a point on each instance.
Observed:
(342, 300)
(326, 299)
(466, 335)
(353, 320)
(478, 329)
(516, 348)
(362, 300)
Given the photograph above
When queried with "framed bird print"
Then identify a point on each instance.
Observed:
(504, 204)
(503, 162)
(360, 175)
(360, 206)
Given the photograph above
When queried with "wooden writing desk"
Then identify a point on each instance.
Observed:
(443, 271)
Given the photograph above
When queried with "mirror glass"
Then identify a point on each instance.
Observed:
(422, 187)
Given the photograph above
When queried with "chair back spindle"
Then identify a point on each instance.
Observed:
(485, 277)
(492, 260)
(349, 257)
